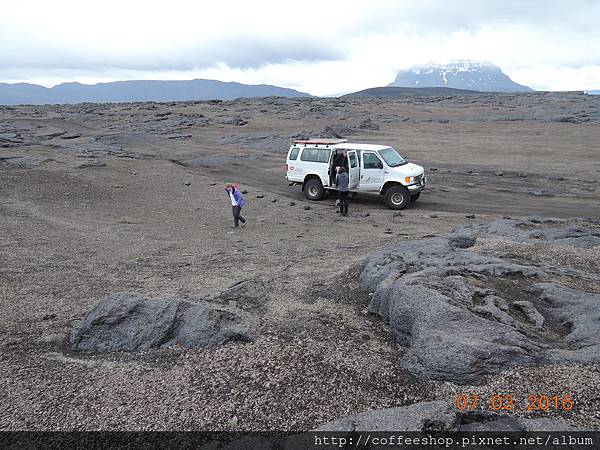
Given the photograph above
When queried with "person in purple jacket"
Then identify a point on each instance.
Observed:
(237, 203)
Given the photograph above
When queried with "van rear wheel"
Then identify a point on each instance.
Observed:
(397, 197)
(313, 189)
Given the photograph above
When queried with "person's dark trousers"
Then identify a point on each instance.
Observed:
(236, 215)
(344, 203)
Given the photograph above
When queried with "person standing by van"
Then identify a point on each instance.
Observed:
(342, 185)
(340, 160)
(237, 203)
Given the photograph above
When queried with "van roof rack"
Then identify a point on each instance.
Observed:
(320, 141)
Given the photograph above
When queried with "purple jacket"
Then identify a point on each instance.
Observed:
(239, 198)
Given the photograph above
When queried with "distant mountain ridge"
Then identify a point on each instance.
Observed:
(393, 91)
(459, 74)
(138, 91)
(597, 92)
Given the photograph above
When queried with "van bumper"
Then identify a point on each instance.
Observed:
(417, 187)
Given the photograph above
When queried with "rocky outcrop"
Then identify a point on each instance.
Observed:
(462, 314)
(128, 322)
(21, 162)
(534, 229)
(131, 322)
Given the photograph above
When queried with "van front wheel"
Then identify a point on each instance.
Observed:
(313, 189)
(397, 197)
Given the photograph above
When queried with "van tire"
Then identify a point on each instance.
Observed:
(397, 197)
(313, 189)
(414, 198)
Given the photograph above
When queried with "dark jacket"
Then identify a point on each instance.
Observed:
(340, 160)
(342, 182)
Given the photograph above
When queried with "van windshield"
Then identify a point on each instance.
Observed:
(392, 157)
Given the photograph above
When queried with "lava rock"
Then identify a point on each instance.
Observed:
(463, 315)
(90, 163)
(247, 294)
(21, 162)
(459, 239)
(70, 136)
(368, 124)
(130, 322)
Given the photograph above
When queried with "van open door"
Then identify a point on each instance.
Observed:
(353, 169)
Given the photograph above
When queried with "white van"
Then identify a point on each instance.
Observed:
(372, 169)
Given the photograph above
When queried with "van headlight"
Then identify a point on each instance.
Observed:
(409, 179)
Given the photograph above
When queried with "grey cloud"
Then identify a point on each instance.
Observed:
(573, 22)
(454, 15)
(236, 51)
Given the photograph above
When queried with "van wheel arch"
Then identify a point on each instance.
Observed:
(387, 186)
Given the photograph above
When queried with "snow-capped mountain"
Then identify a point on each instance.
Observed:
(461, 74)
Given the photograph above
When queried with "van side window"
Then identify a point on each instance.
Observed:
(294, 153)
(320, 155)
(352, 159)
(371, 161)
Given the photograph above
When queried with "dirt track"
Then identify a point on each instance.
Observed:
(71, 235)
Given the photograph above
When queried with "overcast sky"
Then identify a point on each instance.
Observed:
(317, 46)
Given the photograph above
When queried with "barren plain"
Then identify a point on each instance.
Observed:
(98, 199)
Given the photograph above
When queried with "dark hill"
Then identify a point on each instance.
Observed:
(137, 91)
(390, 91)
